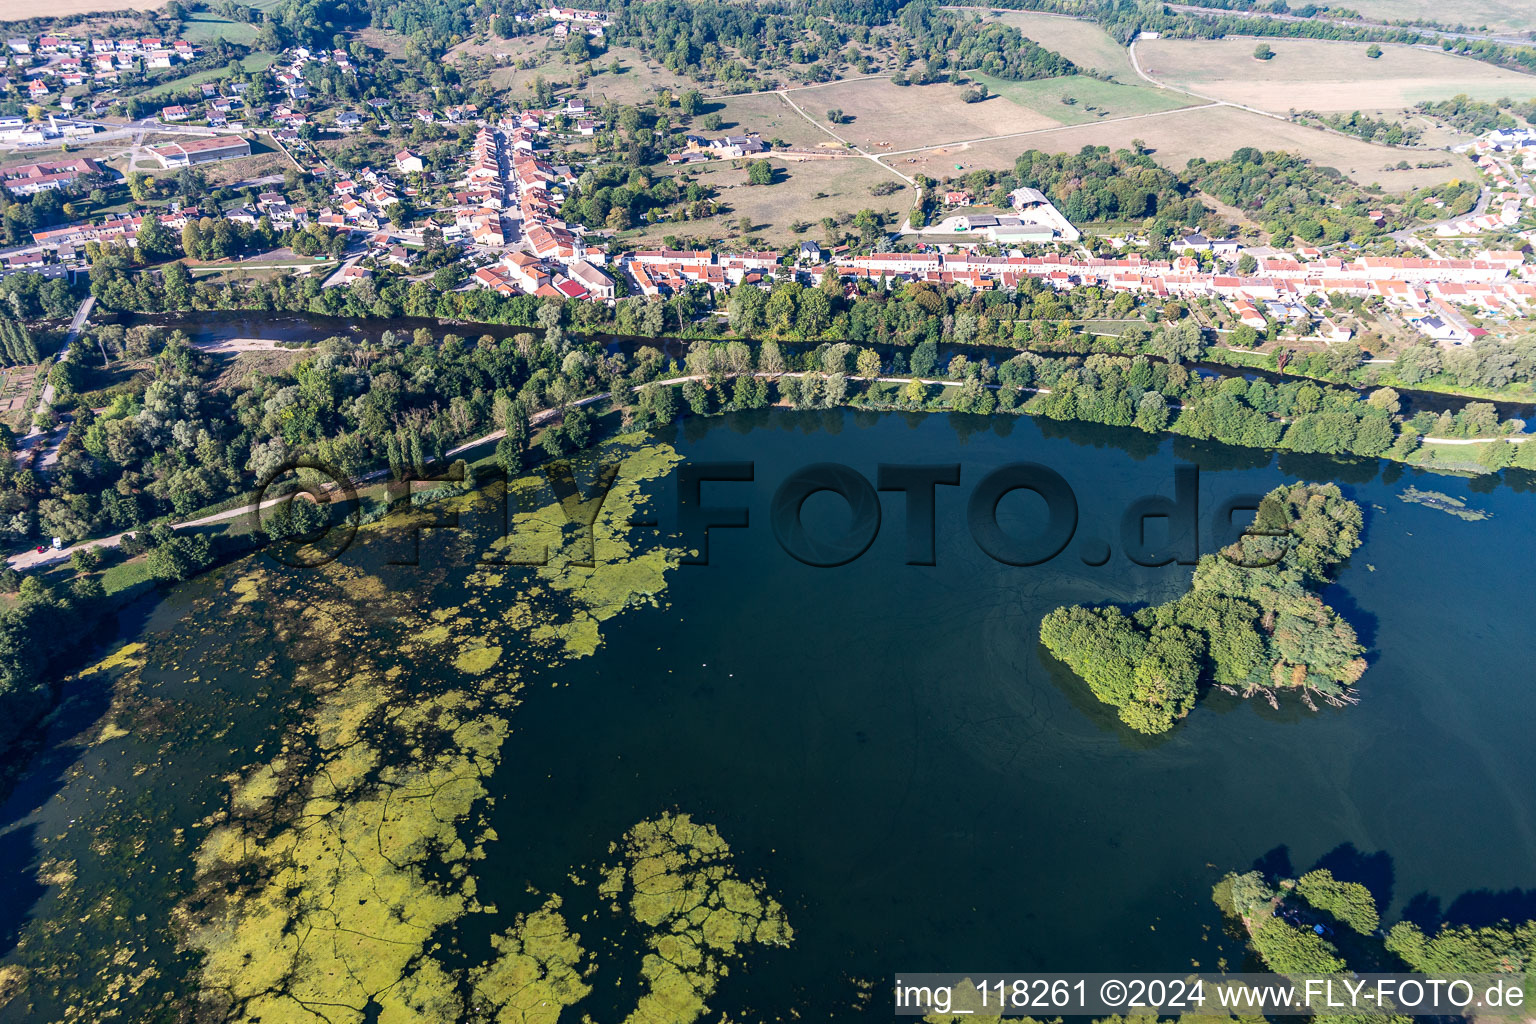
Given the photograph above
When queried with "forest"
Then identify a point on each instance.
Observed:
(1321, 924)
(1476, 117)
(1251, 622)
(741, 46)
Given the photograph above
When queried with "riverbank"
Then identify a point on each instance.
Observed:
(227, 331)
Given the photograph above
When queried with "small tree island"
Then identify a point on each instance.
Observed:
(1251, 623)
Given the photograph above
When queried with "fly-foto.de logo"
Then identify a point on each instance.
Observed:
(924, 500)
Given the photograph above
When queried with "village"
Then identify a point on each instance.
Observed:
(500, 213)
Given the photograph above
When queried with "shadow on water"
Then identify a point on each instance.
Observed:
(1275, 863)
(1138, 444)
(1372, 870)
(46, 772)
(1340, 469)
(1481, 908)
(1103, 717)
(1366, 624)
(1215, 457)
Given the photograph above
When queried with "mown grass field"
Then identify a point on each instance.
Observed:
(1092, 99)
(1315, 74)
(915, 115)
(205, 27)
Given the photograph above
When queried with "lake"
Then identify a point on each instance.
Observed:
(885, 747)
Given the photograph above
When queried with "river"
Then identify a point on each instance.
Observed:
(884, 746)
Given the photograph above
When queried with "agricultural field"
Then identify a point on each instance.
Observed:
(1212, 132)
(15, 386)
(1315, 74)
(205, 27)
(21, 10)
(1082, 42)
(772, 118)
(801, 191)
(1498, 15)
(1078, 99)
(914, 115)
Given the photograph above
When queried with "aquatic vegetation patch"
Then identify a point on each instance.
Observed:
(1443, 502)
(329, 886)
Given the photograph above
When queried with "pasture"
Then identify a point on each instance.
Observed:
(801, 191)
(1315, 74)
(638, 80)
(1078, 99)
(914, 115)
(772, 118)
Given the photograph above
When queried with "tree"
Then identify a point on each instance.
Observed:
(1247, 264)
(663, 402)
(140, 186)
(153, 242)
(1250, 621)
(180, 557)
(924, 357)
(760, 172)
(835, 116)
(1289, 950)
(1250, 895)
(1373, 51)
(868, 363)
(1152, 412)
(1263, 52)
(1177, 342)
(191, 239)
(512, 450)
(697, 397)
(1349, 902)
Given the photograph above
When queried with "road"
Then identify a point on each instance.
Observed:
(45, 400)
(1476, 440)
(1513, 40)
(1218, 101)
(872, 157)
(32, 559)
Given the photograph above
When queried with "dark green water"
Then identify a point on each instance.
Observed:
(889, 750)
